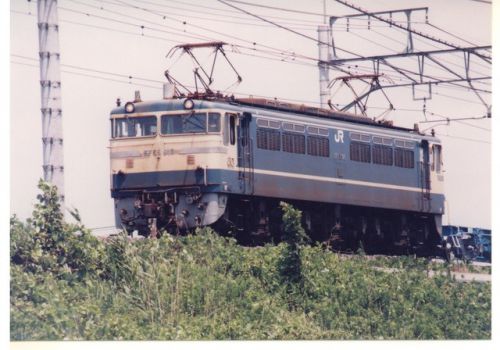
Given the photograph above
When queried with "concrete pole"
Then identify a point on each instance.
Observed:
(50, 83)
(324, 58)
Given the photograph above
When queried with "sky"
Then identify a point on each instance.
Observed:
(102, 44)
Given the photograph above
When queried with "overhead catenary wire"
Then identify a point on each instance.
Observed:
(463, 138)
(203, 37)
(301, 34)
(241, 93)
(141, 26)
(446, 119)
(234, 11)
(483, 1)
(225, 34)
(91, 76)
(220, 17)
(421, 40)
(460, 120)
(292, 59)
(297, 56)
(95, 70)
(417, 39)
(277, 8)
(428, 76)
(249, 48)
(104, 28)
(450, 34)
(290, 30)
(224, 10)
(277, 52)
(132, 78)
(258, 56)
(441, 59)
(159, 88)
(429, 37)
(436, 83)
(293, 21)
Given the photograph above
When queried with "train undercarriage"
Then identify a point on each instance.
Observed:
(343, 228)
(258, 220)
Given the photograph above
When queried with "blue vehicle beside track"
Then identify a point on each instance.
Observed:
(467, 243)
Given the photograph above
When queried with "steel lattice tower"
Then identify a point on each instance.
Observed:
(50, 83)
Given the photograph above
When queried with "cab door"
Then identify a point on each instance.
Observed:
(424, 175)
(245, 155)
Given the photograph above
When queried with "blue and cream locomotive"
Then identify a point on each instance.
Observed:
(183, 162)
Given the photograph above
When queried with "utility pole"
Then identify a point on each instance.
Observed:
(50, 83)
(324, 60)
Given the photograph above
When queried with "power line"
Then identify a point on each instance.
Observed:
(90, 76)
(302, 20)
(474, 126)
(293, 56)
(134, 77)
(131, 78)
(95, 70)
(464, 138)
(168, 32)
(448, 120)
(231, 36)
(158, 88)
(103, 28)
(183, 23)
(275, 8)
(282, 60)
(291, 60)
(142, 27)
(460, 120)
(443, 60)
(429, 37)
(425, 42)
(288, 29)
(483, 1)
(414, 82)
(225, 16)
(451, 34)
(130, 82)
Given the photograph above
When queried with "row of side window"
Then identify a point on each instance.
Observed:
(380, 154)
(274, 140)
(316, 143)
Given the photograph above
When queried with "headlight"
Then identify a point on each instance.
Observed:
(188, 104)
(129, 107)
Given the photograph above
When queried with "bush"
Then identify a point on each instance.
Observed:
(45, 243)
(65, 284)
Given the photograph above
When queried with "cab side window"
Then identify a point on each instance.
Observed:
(230, 132)
(436, 158)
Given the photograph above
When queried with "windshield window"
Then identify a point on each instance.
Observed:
(190, 123)
(134, 127)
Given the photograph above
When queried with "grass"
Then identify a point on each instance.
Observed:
(207, 287)
(204, 286)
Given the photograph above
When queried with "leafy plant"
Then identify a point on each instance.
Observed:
(47, 243)
(65, 284)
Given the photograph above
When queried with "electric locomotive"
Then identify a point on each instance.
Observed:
(179, 163)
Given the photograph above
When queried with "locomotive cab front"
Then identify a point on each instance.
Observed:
(171, 164)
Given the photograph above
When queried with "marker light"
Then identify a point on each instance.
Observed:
(188, 104)
(129, 107)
